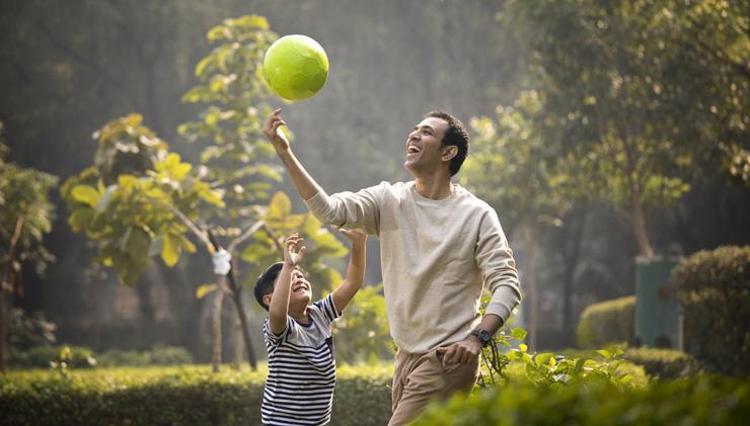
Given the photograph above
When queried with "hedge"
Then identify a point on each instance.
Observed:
(174, 395)
(663, 363)
(607, 322)
(714, 289)
(696, 401)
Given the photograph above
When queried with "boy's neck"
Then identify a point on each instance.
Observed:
(299, 314)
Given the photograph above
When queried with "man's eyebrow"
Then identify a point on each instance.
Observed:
(423, 126)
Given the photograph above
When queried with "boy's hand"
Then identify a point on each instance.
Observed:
(271, 130)
(356, 236)
(294, 250)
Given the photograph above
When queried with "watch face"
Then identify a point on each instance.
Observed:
(484, 336)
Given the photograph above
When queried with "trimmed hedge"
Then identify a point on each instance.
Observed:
(663, 363)
(174, 395)
(714, 289)
(694, 401)
(608, 322)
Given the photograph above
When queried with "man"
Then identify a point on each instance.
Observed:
(439, 244)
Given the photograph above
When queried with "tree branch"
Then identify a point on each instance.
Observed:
(246, 235)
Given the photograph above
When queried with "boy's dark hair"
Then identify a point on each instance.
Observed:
(265, 281)
(457, 135)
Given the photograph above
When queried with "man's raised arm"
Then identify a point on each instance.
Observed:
(345, 209)
(305, 184)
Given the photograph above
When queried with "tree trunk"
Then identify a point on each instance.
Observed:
(237, 298)
(639, 229)
(3, 329)
(216, 325)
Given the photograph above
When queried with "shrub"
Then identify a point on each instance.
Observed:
(607, 322)
(362, 335)
(159, 355)
(687, 401)
(714, 289)
(663, 363)
(42, 356)
(174, 395)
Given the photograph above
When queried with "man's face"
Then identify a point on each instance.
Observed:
(423, 150)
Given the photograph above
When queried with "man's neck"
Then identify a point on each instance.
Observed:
(434, 187)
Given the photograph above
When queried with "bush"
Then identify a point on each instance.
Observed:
(663, 363)
(42, 356)
(698, 400)
(714, 289)
(159, 355)
(174, 395)
(608, 322)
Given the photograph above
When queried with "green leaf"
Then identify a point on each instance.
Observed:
(80, 218)
(170, 252)
(518, 333)
(204, 289)
(280, 206)
(523, 348)
(86, 194)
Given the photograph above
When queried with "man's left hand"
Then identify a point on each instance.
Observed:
(461, 352)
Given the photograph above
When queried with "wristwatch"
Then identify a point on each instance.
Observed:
(483, 335)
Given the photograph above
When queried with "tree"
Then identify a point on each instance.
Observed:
(140, 200)
(644, 91)
(26, 214)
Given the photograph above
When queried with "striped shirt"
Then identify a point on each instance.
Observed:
(301, 369)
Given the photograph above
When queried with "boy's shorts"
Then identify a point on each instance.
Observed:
(418, 378)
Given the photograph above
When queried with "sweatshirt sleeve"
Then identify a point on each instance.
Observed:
(359, 209)
(498, 267)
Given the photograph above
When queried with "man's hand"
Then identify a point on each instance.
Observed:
(461, 352)
(271, 130)
(294, 250)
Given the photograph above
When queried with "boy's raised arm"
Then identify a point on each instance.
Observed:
(355, 273)
(278, 310)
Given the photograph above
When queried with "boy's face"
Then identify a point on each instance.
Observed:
(301, 290)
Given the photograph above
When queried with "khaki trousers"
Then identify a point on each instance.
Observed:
(420, 378)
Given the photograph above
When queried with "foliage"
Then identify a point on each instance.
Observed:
(176, 395)
(26, 214)
(663, 363)
(26, 331)
(362, 333)
(158, 355)
(512, 149)
(607, 322)
(714, 289)
(234, 97)
(641, 92)
(43, 357)
(132, 217)
(549, 369)
(597, 402)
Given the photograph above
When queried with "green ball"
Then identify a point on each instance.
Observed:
(295, 67)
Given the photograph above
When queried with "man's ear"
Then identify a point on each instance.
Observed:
(449, 152)
(267, 299)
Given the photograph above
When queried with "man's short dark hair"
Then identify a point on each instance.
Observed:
(457, 135)
(265, 281)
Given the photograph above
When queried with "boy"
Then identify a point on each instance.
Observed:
(297, 334)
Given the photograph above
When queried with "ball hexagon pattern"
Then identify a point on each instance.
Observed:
(295, 67)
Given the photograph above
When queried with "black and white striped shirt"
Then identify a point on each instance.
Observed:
(301, 369)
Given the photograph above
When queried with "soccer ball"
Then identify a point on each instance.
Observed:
(295, 67)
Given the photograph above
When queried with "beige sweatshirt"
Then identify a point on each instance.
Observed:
(435, 255)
